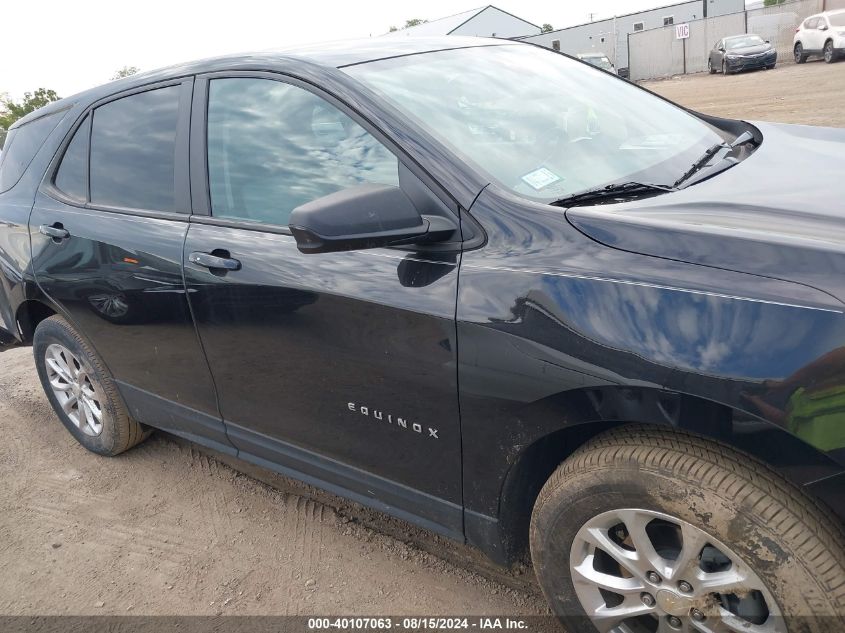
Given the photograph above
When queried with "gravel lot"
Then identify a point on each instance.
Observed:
(168, 529)
(808, 94)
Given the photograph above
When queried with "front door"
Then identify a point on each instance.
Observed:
(338, 368)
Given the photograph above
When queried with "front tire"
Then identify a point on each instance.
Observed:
(666, 531)
(81, 391)
(710, 67)
(829, 52)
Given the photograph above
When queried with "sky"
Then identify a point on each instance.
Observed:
(71, 45)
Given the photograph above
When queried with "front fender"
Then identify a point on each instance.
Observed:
(551, 321)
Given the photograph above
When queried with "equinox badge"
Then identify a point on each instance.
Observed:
(400, 423)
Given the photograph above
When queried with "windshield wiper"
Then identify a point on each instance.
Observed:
(614, 191)
(701, 163)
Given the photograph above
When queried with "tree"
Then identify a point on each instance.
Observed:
(392, 29)
(547, 28)
(413, 22)
(126, 71)
(11, 111)
(771, 3)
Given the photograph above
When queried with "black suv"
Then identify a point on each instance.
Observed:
(476, 284)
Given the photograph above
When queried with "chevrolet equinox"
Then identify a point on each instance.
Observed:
(477, 284)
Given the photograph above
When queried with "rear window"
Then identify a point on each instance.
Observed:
(22, 144)
(133, 145)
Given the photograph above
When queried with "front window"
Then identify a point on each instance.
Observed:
(744, 41)
(539, 123)
(273, 146)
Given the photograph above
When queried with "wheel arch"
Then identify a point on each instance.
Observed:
(785, 453)
(29, 314)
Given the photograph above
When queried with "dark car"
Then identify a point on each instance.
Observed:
(741, 52)
(475, 284)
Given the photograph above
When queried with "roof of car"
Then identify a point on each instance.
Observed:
(330, 54)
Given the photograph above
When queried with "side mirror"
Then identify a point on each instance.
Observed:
(768, 42)
(822, 27)
(366, 216)
(721, 49)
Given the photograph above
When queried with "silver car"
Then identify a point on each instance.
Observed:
(599, 60)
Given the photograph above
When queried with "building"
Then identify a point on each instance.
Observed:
(486, 21)
(610, 36)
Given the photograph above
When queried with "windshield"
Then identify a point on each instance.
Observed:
(743, 42)
(539, 123)
(837, 19)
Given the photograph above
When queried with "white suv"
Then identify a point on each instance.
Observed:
(822, 34)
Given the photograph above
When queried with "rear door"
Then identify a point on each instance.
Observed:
(107, 230)
(337, 367)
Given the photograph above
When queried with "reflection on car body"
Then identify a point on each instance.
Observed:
(589, 307)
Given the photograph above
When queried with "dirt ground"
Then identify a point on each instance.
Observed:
(808, 94)
(169, 529)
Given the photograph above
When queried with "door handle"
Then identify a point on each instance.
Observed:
(56, 231)
(214, 262)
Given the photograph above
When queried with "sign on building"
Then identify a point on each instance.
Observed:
(681, 31)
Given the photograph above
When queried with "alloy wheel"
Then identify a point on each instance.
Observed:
(75, 389)
(639, 571)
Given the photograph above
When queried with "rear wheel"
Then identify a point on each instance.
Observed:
(829, 53)
(650, 531)
(81, 391)
(800, 56)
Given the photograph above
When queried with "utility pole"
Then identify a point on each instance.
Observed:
(592, 15)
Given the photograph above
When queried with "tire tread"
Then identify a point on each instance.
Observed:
(717, 465)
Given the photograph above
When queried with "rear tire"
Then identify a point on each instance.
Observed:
(81, 391)
(800, 56)
(680, 491)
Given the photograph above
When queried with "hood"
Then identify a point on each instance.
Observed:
(780, 213)
(750, 50)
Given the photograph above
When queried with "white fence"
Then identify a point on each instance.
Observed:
(659, 53)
